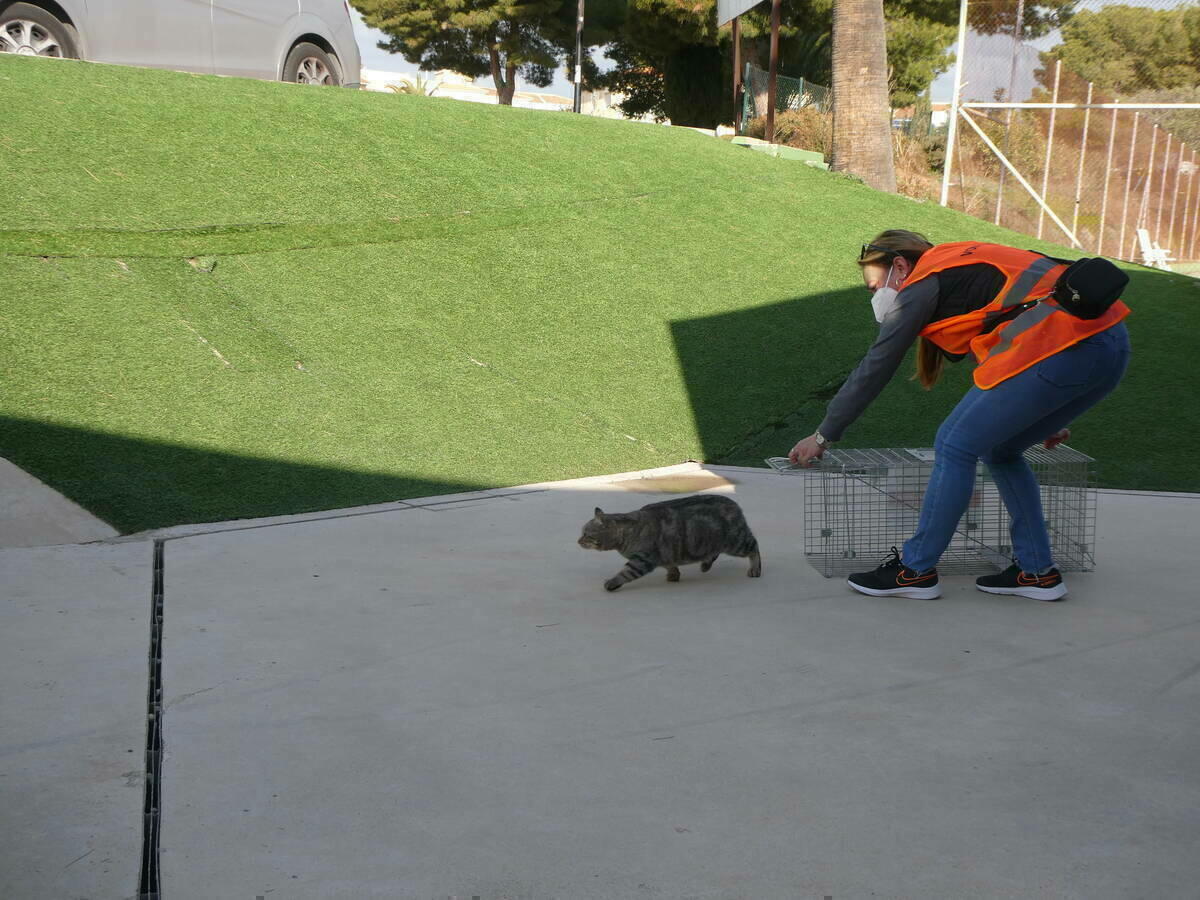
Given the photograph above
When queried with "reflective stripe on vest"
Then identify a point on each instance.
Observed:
(1017, 342)
(1025, 282)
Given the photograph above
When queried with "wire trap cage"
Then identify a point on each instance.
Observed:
(858, 504)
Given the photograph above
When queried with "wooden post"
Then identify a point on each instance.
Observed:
(773, 75)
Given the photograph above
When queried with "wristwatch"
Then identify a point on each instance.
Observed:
(821, 440)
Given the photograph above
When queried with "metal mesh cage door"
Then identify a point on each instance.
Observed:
(858, 504)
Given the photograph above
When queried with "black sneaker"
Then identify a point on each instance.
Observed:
(893, 579)
(1024, 584)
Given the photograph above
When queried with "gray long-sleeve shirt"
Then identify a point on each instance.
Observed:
(915, 308)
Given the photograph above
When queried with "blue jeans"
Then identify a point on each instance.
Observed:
(997, 426)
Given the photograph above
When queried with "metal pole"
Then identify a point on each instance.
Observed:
(579, 60)
(1017, 175)
(1187, 207)
(1018, 27)
(1128, 185)
(773, 75)
(1175, 195)
(1049, 149)
(748, 90)
(1112, 135)
(1087, 115)
(1147, 187)
(737, 74)
(1162, 191)
(952, 133)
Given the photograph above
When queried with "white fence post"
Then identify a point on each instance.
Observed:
(1112, 135)
(1049, 149)
(1017, 175)
(1175, 195)
(1187, 208)
(1128, 184)
(1087, 117)
(1162, 191)
(1018, 29)
(1147, 187)
(952, 133)
(1195, 217)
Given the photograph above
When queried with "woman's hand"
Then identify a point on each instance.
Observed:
(806, 451)
(1057, 438)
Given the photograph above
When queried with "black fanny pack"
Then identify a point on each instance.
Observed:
(1089, 287)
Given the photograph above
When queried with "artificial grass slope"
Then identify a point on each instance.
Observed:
(231, 298)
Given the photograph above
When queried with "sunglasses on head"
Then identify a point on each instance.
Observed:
(875, 248)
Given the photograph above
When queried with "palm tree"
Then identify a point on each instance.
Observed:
(862, 136)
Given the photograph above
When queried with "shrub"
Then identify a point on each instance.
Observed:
(807, 128)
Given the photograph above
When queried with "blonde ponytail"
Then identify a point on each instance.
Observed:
(930, 362)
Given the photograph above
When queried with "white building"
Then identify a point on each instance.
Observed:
(462, 87)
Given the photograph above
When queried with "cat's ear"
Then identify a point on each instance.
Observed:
(599, 513)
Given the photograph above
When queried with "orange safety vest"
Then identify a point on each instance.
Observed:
(1031, 325)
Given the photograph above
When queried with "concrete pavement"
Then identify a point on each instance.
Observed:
(438, 699)
(34, 515)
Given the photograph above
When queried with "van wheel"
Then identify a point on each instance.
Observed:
(29, 31)
(309, 64)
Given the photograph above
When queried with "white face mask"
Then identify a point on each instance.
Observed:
(883, 301)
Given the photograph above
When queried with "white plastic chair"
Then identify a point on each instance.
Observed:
(1153, 254)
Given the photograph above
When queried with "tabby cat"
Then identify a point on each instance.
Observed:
(673, 533)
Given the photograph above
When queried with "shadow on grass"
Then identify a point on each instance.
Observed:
(752, 372)
(757, 379)
(760, 378)
(136, 484)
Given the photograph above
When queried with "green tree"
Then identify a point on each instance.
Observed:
(1183, 123)
(502, 38)
(1000, 18)
(1140, 55)
(657, 44)
(639, 77)
(669, 60)
(603, 21)
(1131, 49)
(917, 53)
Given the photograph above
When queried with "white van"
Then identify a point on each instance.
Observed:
(304, 41)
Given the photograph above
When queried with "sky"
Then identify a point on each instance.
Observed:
(993, 54)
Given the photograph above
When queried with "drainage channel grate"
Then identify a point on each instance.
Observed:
(148, 880)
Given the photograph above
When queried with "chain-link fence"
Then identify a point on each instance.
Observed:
(790, 94)
(1079, 122)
